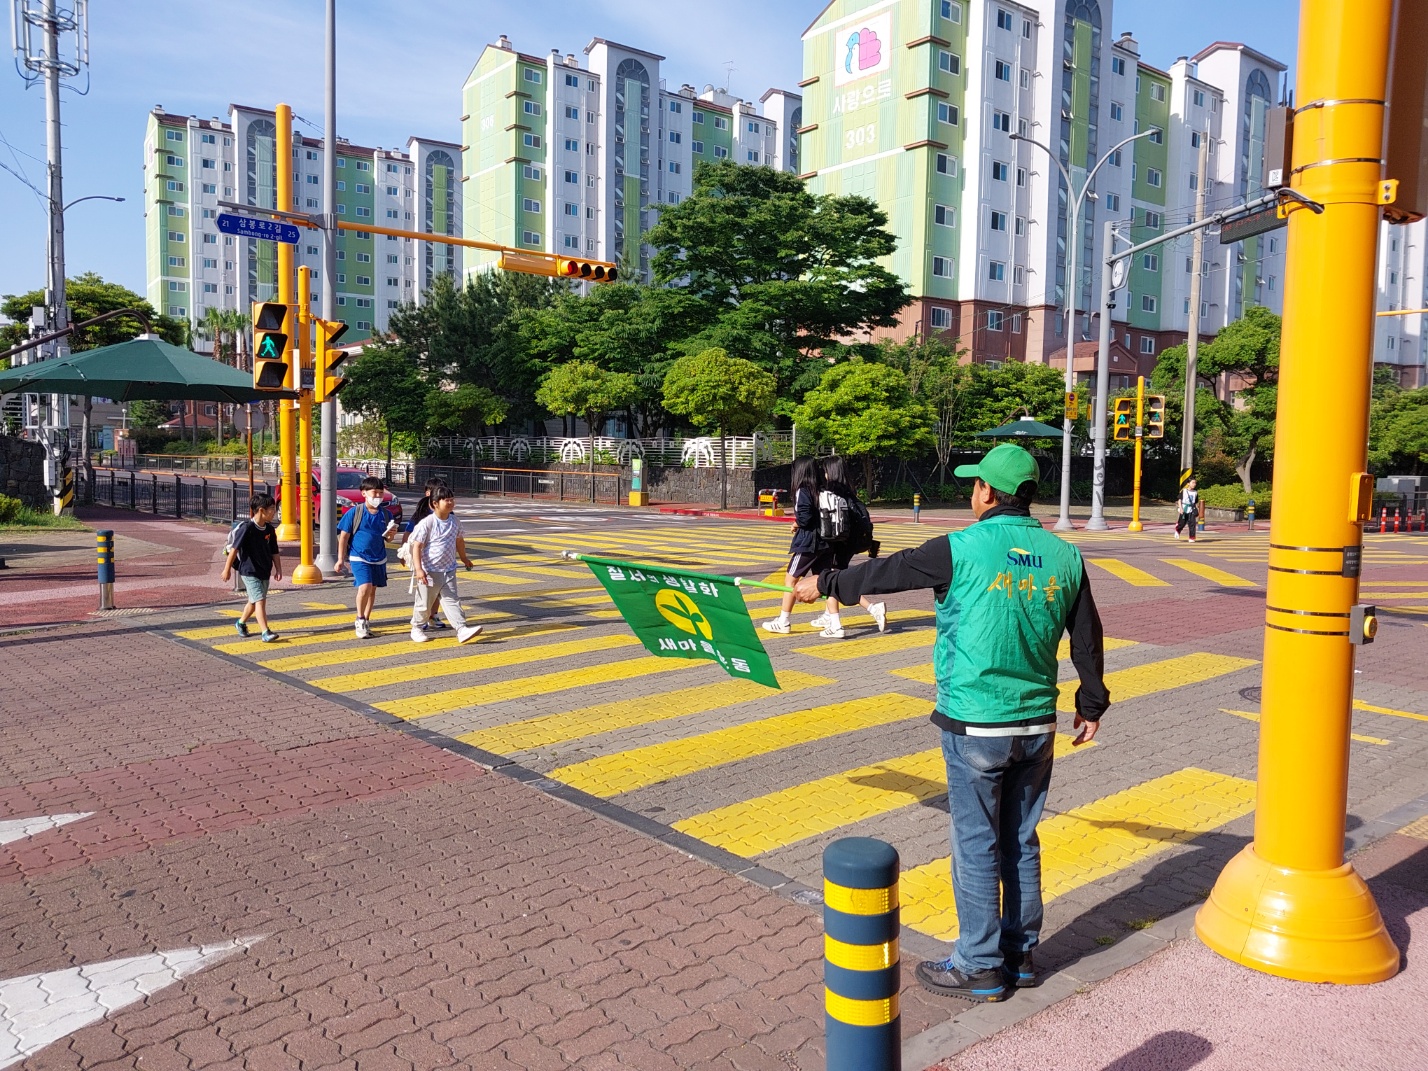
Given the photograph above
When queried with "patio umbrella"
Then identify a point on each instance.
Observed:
(1023, 428)
(144, 367)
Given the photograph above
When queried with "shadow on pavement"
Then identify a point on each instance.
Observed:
(1172, 1050)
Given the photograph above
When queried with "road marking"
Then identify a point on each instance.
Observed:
(925, 674)
(627, 713)
(1209, 572)
(1360, 705)
(395, 644)
(778, 819)
(290, 624)
(1088, 843)
(338, 635)
(1250, 716)
(37, 1010)
(448, 667)
(12, 829)
(1129, 573)
(1155, 677)
(872, 645)
(610, 775)
(324, 606)
(424, 706)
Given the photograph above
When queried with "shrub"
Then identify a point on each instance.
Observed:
(14, 513)
(1232, 496)
(9, 509)
(897, 492)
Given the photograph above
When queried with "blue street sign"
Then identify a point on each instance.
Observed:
(248, 227)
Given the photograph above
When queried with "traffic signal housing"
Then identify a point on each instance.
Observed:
(596, 271)
(270, 343)
(1155, 416)
(326, 382)
(1123, 419)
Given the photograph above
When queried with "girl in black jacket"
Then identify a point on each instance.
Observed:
(837, 481)
(807, 553)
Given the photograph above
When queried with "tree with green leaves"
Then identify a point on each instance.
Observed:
(867, 412)
(1398, 431)
(781, 273)
(583, 388)
(465, 410)
(714, 391)
(145, 413)
(386, 382)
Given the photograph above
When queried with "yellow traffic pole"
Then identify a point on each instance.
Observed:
(283, 158)
(1135, 525)
(1289, 904)
(305, 572)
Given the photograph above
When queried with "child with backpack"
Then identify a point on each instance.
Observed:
(362, 541)
(253, 548)
(845, 524)
(436, 545)
(1188, 514)
(808, 552)
(421, 510)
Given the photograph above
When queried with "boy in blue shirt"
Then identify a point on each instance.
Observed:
(362, 540)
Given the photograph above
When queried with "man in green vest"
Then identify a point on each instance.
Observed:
(1006, 592)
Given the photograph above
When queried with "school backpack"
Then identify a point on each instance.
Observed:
(235, 534)
(834, 517)
(860, 536)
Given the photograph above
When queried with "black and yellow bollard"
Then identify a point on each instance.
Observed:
(861, 973)
(104, 545)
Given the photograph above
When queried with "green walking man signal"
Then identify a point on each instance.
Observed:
(270, 341)
(1155, 416)
(1123, 419)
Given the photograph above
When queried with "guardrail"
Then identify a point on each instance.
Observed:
(178, 496)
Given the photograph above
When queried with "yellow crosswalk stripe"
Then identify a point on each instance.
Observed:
(1360, 705)
(778, 819)
(872, 645)
(424, 706)
(283, 623)
(398, 643)
(1155, 677)
(485, 576)
(627, 713)
(1088, 843)
(1251, 716)
(1129, 573)
(1209, 572)
(924, 673)
(473, 663)
(610, 775)
(290, 639)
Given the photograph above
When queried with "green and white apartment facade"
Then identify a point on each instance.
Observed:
(192, 164)
(575, 156)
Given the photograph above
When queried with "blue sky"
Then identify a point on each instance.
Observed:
(399, 76)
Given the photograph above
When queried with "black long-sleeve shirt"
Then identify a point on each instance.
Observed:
(930, 566)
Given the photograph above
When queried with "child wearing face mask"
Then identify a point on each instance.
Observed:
(362, 535)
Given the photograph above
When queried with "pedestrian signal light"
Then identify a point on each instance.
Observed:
(1123, 419)
(1155, 416)
(326, 382)
(270, 343)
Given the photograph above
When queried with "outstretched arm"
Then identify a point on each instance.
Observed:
(927, 566)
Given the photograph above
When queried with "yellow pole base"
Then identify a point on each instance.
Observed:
(1135, 526)
(307, 574)
(639, 498)
(1308, 925)
(288, 533)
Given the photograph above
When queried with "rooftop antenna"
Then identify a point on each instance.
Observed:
(729, 70)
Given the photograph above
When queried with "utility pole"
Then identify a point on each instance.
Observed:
(288, 530)
(1192, 339)
(327, 453)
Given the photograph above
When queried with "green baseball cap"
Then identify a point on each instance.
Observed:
(1005, 467)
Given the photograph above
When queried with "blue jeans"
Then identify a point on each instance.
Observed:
(996, 789)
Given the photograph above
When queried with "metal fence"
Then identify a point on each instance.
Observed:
(170, 495)
(556, 486)
(744, 451)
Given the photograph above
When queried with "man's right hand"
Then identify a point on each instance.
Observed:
(806, 589)
(1088, 730)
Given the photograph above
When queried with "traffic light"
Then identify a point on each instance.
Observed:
(1123, 419)
(270, 343)
(597, 271)
(1155, 416)
(326, 383)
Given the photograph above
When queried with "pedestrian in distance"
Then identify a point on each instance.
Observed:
(1005, 590)
(253, 550)
(421, 510)
(436, 545)
(807, 553)
(1189, 510)
(362, 535)
(844, 522)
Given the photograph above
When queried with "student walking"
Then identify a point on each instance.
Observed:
(254, 551)
(844, 522)
(1005, 591)
(808, 553)
(421, 510)
(362, 535)
(1189, 510)
(436, 545)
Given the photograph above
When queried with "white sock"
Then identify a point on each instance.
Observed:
(784, 617)
(834, 621)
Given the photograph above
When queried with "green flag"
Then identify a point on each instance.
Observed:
(679, 614)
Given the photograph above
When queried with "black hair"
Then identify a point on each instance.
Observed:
(1024, 497)
(805, 476)
(433, 484)
(441, 493)
(261, 500)
(373, 483)
(835, 470)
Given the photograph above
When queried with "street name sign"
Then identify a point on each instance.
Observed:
(249, 227)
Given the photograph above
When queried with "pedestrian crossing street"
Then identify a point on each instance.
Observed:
(558, 684)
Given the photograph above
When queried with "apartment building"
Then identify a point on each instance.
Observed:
(192, 166)
(576, 155)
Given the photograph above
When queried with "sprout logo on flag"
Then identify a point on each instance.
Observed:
(864, 49)
(683, 613)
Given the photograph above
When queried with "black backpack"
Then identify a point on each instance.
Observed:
(860, 529)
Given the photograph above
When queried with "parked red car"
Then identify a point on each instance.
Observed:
(349, 494)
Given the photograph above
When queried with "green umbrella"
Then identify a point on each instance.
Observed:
(144, 367)
(1023, 428)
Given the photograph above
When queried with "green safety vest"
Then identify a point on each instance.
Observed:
(1001, 619)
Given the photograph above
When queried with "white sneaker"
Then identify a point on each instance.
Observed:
(821, 621)
(470, 632)
(832, 632)
(777, 625)
(364, 629)
(357, 629)
(418, 636)
(879, 610)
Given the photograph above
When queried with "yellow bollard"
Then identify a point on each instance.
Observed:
(861, 969)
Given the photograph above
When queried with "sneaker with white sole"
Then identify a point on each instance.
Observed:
(418, 636)
(364, 629)
(777, 625)
(357, 629)
(879, 610)
(470, 632)
(832, 632)
(821, 621)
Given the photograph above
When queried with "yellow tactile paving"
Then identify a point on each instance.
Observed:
(627, 713)
(1250, 715)
(1157, 677)
(1360, 705)
(1417, 829)
(399, 643)
(1129, 573)
(610, 775)
(1088, 843)
(924, 673)
(1209, 572)
(873, 645)
(399, 624)
(778, 819)
(472, 663)
(424, 706)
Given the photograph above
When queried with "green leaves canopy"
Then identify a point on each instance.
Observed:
(866, 411)
(716, 392)
(585, 389)
(88, 296)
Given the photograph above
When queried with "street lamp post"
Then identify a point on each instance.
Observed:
(1077, 197)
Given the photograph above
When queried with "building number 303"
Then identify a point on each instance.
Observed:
(863, 135)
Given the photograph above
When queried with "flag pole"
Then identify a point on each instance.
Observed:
(739, 581)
